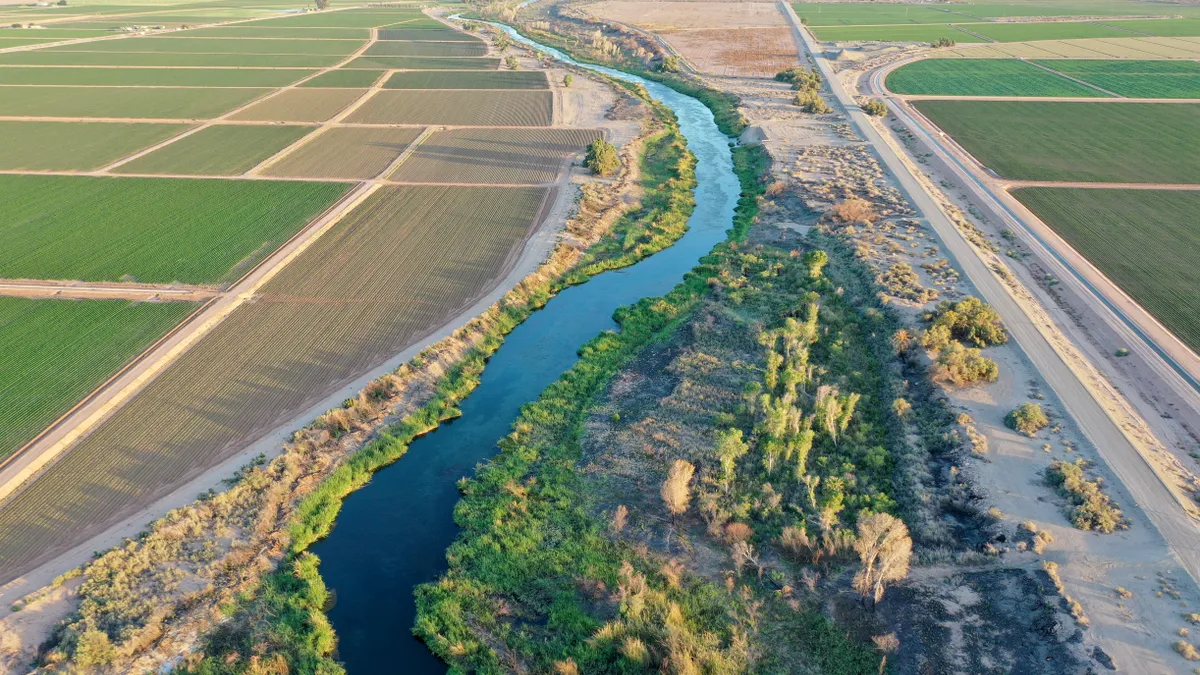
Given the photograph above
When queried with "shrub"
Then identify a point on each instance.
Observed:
(568, 79)
(670, 65)
(962, 365)
(812, 103)
(94, 649)
(1090, 509)
(1187, 650)
(602, 158)
(512, 62)
(1027, 418)
(853, 210)
(875, 108)
(970, 320)
(801, 78)
(942, 42)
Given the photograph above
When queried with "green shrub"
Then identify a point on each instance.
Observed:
(875, 108)
(812, 103)
(971, 321)
(962, 365)
(1027, 418)
(602, 158)
(1090, 508)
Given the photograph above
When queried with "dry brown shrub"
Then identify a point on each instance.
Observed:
(854, 211)
(735, 532)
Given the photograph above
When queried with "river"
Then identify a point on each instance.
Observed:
(392, 534)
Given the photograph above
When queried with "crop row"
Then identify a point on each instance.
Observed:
(500, 156)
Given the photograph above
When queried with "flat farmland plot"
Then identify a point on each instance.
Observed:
(83, 146)
(134, 77)
(1136, 79)
(1106, 142)
(47, 58)
(513, 156)
(400, 265)
(409, 48)
(1144, 240)
(424, 63)
(899, 33)
(482, 108)
(448, 35)
(152, 230)
(301, 105)
(54, 352)
(257, 31)
(346, 152)
(855, 13)
(468, 79)
(348, 79)
(1053, 30)
(186, 45)
(983, 77)
(56, 33)
(221, 150)
(345, 19)
(746, 52)
(1166, 28)
(131, 102)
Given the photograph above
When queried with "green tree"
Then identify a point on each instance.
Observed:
(875, 108)
(568, 79)
(1027, 418)
(94, 649)
(962, 365)
(670, 64)
(602, 158)
(972, 321)
(512, 62)
(816, 261)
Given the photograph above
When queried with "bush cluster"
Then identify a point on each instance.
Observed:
(1090, 508)
(1027, 418)
(602, 158)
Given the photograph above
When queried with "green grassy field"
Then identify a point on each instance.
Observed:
(982, 77)
(301, 105)
(466, 79)
(155, 230)
(353, 79)
(483, 108)
(1144, 240)
(64, 58)
(1135, 79)
(223, 150)
(1113, 142)
(346, 152)
(346, 19)
(854, 14)
(1054, 30)
(403, 48)
(135, 102)
(424, 63)
(188, 45)
(1161, 27)
(875, 13)
(426, 34)
(257, 31)
(56, 33)
(53, 352)
(900, 33)
(175, 77)
(83, 146)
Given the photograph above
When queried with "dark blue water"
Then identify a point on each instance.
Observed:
(392, 534)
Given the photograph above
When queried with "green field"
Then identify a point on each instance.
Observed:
(54, 352)
(854, 14)
(403, 48)
(426, 34)
(64, 58)
(1135, 79)
(81, 146)
(424, 63)
(354, 79)
(982, 77)
(195, 103)
(347, 19)
(175, 77)
(187, 45)
(55, 33)
(875, 13)
(1161, 27)
(1144, 240)
(301, 105)
(900, 33)
(1053, 30)
(1107, 142)
(153, 230)
(467, 79)
(256, 31)
(222, 150)
(482, 108)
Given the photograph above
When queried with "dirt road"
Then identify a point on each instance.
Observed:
(36, 288)
(1119, 451)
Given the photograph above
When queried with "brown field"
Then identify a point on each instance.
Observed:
(426, 34)
(745, 52)
(689, 14)
(500, 156)
(346, 152)
(301, 105)
(401, 48)
(472, 108)
(406, 261)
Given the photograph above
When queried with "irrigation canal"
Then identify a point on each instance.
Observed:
(392, 534)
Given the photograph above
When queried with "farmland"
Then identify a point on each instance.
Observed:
(44, 58)
(467, 79)
(255, 31)
(424, 63)
(383, 277)
(48, 146)
(133, 77)
(186, 45)
(301, 105)
(426, 34)
(350, 79)
(1053, 30)
(514, 156)
(1144, 240)
(1057, 141)
(155, 230)
(120, 102)
(220, 150)
(754, 52)
(983, 77)
(1136, 79)
(507, 108)
(53, 352)
(399, 48)
(346, 152)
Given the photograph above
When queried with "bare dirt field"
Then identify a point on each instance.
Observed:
(745, 52)
(666, 15)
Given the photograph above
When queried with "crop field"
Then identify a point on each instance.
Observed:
(1143, 240)
(1136, 79)
(45, 58)
(56, 33)
(468, 79)
(301, 105)
(900, 33)
(186, 45)
(404, 263)
(356, 153)
(347, 79)
(855, 14)
(436, 34)
(512, 156)
(348, 19)
(403, 48)
(1097, 48)
(1053, 30)
(482, 108)
(53, 352)
(983, 77)
(257, 31)
(221, 150)
(859, 13)
(83, 146)
(1166, 28)
(1107, 142)
(424, 63)
(741, 52)
(99, 102)
(151, 230)
(134, 77)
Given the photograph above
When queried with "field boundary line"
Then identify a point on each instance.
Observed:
(57, 288)
(403, 156)
(986, 39)
(24, 465)
(1048, 69)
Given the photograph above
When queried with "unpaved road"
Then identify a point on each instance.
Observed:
(34, 288)
(1121, 453)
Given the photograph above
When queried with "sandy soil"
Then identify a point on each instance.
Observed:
(36, 288)
(660, 15)
(743, 52)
